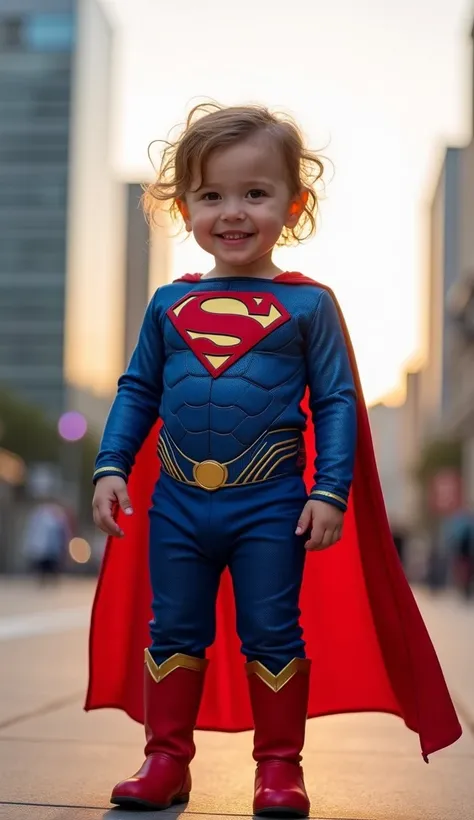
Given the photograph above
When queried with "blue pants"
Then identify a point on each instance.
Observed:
(195, 534)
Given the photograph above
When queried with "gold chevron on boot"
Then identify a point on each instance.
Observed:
(280, 707)
(176, 661)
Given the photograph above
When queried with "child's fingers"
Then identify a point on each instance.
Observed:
(304, 521)
(327, 539)
(316, 538)
(323, 528)
(123, 500)
(322, 538)
(103, 519)
(337, 535)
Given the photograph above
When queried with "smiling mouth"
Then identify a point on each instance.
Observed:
(234, 236)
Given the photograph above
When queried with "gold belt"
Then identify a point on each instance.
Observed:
(210, 475)
(263, 457)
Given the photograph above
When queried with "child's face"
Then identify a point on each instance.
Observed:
(242, 204)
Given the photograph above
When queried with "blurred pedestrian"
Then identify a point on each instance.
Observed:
(45, 540)
(465, 558)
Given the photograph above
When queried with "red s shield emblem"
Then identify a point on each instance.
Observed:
(221, 327)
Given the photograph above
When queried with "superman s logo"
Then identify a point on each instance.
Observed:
(221, 327)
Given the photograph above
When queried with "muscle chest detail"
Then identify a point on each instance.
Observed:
(234, 366)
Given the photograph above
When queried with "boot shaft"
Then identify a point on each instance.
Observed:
(280, 708)
(173, 692)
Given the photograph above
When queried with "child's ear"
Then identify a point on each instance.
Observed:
(184, 211)
(296, 208)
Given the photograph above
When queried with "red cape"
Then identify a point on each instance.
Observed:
(363, 630)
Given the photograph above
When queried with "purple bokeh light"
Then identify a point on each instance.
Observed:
(72, 426)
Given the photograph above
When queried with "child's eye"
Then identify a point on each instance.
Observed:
(256, 193)
(211, 196)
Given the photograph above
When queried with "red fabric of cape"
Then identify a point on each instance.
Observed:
(363, 630)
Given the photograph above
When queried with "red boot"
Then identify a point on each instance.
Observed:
(172, 697)
(279, 706)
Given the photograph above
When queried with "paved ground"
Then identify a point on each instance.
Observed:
(57, 763)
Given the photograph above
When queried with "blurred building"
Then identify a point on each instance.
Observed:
(396, 434)
(112, 273)
(436, 387)
(440, 396)
(37, 41)
(460, 417)
(386, 425)
(114, 263)
(65, 334)
(448, 377)
(96, 218)
(147, 265)
(410, 445)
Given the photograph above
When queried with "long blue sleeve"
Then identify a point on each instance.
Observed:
(136, 405)
(332, 403)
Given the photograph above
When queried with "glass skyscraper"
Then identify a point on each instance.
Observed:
(76, 262)
(36, 58)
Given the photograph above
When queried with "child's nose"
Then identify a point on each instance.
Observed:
(232, 210)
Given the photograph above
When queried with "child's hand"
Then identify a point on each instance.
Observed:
(324, 522)
(110, 491)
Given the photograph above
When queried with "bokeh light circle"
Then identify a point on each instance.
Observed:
(80, 550)
(72, 426)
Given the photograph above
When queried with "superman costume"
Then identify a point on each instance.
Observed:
(225, 364)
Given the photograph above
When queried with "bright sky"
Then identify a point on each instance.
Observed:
(381, 85)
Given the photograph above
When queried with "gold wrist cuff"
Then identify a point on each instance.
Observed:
(326, 494)
(109, 470)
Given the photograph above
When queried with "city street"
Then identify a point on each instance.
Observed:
(58, 763)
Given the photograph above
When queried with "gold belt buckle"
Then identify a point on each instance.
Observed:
(210, 475)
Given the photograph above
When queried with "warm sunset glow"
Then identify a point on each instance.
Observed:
(381, 87)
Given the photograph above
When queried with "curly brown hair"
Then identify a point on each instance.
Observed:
(210, 126)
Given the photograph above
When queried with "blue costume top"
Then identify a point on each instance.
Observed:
(225, 363)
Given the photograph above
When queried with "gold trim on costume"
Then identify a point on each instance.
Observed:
(212, 475)
(173, 467)
(275, 465)
(173, 458)
(241, 455)
(177, 661)
(167, 463)
(275, 449)
(277, 682)
(252, 461)
(330, 495)
(109, 470)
